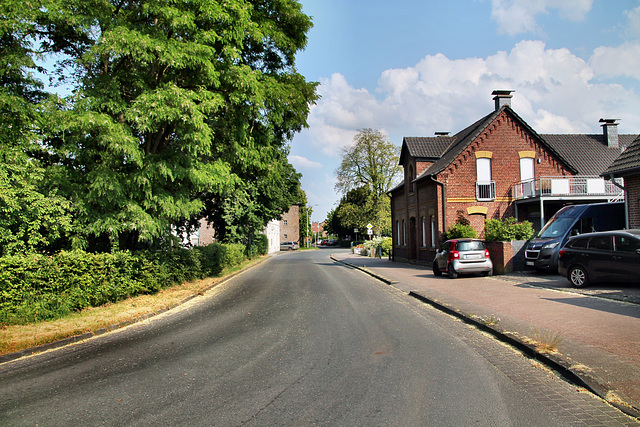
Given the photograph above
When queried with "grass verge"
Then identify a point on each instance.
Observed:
(20, 337)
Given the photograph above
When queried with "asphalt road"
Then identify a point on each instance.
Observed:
(298, 340)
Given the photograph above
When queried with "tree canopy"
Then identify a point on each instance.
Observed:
(179, 110)
(368, 170)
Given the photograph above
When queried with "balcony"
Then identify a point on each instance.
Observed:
(485, 191)
(569, 186)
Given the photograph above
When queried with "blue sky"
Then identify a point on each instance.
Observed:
(415, 67)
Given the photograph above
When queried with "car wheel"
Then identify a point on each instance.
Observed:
(436, 270)
(488, 273)
(578, 277)
(451, 272)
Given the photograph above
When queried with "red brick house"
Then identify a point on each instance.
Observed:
(497, 167)
(627, 166)
(290, 225)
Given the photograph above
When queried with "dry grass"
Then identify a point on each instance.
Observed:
(545, 341)
(19, 337)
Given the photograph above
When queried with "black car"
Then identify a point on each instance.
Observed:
(612, 256)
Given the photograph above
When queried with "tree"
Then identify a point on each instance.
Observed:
(370, 165)
(180, 110)
(357, 209)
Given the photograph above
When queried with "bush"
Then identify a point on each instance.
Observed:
(457, 231)
(259, 245)
(496, 230)
(37, 287)
(382, 244)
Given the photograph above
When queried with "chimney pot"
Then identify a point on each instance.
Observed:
(502, 98)
(610, 132)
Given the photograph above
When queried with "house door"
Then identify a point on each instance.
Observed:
(412, 238)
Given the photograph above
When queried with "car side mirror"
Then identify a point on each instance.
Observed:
(638, 251)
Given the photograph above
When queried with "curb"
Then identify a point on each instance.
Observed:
(558, 364)
(77, 338)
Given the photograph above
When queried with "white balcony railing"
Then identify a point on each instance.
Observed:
(485, 191)
(572, 186)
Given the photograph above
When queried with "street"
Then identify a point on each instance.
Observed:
(297, 340)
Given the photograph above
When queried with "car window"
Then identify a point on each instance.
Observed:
(627, 244)
(602, 243)
(446, 246)
(586, 225)
(470, 246)
(579, 243)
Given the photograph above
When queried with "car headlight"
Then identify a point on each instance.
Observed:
(550, 245)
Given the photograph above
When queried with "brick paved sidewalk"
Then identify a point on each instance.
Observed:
(600, 331)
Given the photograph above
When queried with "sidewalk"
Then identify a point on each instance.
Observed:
(600, 329)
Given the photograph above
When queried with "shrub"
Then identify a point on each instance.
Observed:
(496, 230)
(259, 245)
(37, 287)
(457, 231)
(383, 244)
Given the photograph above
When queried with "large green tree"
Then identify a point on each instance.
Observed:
(180, 109)
(368, 170)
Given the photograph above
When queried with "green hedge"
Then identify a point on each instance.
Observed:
(38, 287)
(496, 230)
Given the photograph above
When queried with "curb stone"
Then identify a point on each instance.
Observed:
(558, 364)
(84, 336)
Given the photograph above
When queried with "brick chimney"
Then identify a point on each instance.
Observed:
(502, 97)
(610, 132)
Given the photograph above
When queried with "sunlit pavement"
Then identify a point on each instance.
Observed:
(598, 328)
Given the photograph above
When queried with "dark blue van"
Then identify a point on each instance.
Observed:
(542, 251)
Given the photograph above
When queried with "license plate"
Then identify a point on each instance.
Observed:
(472, 256)
(531, 263)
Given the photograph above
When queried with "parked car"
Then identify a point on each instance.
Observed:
(542, 251)
(612, 256)
(288, 246)
(461, 256)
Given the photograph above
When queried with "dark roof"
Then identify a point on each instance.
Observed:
(628, 162)
(427, 147)
(588, 154)
(459, 142)
(462, 139)
(582, 154)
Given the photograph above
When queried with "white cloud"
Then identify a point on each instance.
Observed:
(623, 60)
(519, 16)
(556, 91)
(633, 28)
(300, 162)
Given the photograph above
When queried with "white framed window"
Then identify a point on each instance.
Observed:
(284, 222)
(527, 175)
(527, 168)
(485, 187)
(433, 231)
(404, 233)
(424, 232)
(398, 233)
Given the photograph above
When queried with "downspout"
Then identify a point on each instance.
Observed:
(444, 206)
(626, 200)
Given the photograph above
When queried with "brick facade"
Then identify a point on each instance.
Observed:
(443, 182)
(419, 214)
(632, 185)
(290, 225)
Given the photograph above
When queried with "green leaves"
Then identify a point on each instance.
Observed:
(179, 110)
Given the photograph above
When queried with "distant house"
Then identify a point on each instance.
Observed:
(627, 166)
(497, 167)
(290, 225)
(287, 228)
(272, 231)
